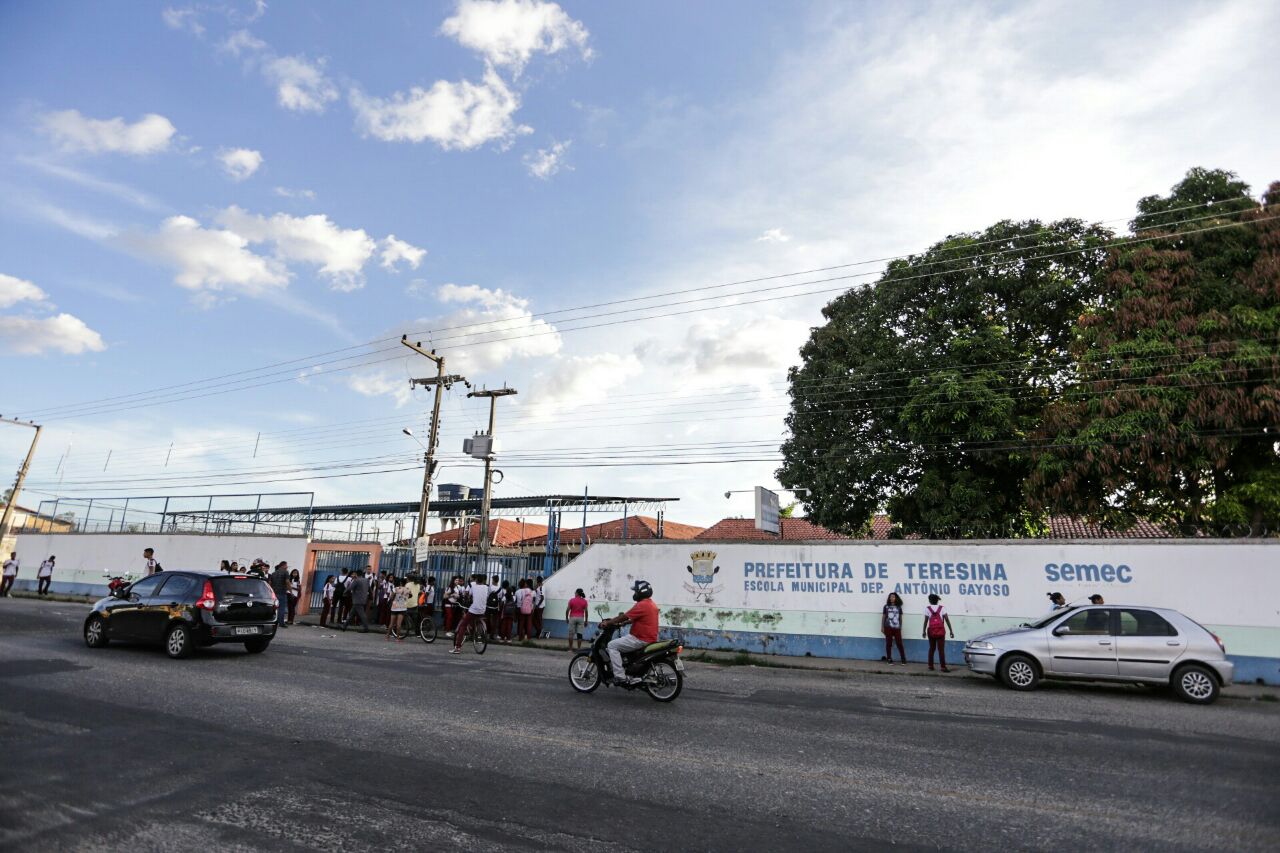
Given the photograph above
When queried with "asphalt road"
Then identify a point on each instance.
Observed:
(346, 742)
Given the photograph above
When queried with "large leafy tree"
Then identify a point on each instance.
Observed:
(1176, 412)
(918, 393)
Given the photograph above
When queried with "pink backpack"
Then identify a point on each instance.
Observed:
(936, 626)
(526, 603)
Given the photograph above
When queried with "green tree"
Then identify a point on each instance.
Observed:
(1175, 414)
(916, 394)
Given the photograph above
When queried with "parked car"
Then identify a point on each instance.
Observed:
(186, 610)
(1146, 645)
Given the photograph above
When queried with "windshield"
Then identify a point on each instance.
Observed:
(1045, 620)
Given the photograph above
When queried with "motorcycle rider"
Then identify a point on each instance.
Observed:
(643, 618)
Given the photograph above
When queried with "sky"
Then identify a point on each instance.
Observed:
(220, 217)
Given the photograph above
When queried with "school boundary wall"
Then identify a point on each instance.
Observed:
(82, 557)
(824, 598)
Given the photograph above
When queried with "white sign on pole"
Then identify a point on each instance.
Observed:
(767, 518)
(420, 549)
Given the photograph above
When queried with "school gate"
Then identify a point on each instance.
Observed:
(825, 598)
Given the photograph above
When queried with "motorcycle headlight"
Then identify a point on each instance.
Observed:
(980, 644)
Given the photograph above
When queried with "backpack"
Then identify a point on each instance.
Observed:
(937, 628)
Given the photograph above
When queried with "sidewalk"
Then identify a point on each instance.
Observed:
(916, 669)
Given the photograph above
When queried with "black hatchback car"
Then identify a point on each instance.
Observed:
(185, 610)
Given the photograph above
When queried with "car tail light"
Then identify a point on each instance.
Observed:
(207, 599)
(1219, 642)
(679, 650)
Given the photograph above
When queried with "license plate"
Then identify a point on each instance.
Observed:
(679, 665)
(241, 631)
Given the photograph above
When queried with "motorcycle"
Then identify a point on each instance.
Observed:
(657, 665)
(115, 582)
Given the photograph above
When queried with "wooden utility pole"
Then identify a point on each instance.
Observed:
(441, 382)
(6, 521)
(487, 500)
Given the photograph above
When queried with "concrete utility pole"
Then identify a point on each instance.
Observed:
(486, 501)
(6, 521)
(441, 382)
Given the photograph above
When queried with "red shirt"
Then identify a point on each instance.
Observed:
(644, 620)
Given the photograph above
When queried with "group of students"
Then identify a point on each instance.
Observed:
(936, 628)
(285, 583)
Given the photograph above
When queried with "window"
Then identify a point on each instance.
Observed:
(1092, 620)
(147, 586)
(178, 587)
(1144, 623)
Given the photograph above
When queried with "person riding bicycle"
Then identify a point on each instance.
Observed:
(475, 612)
(643, 618)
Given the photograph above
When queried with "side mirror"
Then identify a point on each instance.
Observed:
(1058, 632)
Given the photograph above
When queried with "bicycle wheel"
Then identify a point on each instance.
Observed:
(401, 632)
(427, 629)
(479, 637)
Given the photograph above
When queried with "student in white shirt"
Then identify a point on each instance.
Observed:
(475, 612)
(44, 576)
(329, 588)
(10, 573)
(149, 565)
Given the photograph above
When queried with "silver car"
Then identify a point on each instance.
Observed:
(1147, 645)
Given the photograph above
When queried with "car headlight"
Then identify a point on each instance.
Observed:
(980, 644)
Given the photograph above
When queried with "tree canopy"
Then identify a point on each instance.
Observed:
(1035, 368)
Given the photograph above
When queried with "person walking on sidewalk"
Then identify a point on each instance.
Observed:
(10, 573)
(342, 595)
(891, 627)
(475, 612)
(575, 613)
(524, 606)
(358, 595)
(401, 596)
(539, 605)
(279, 581)
(327, 598)
(44, 576)
(937, 624)
(295, 593)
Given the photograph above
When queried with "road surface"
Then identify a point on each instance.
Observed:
(334, 741)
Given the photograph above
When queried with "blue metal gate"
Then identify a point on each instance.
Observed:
(332, 563)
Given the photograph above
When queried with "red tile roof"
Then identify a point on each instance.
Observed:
(506, 532)
(1066, 527)
(745, 529)
(637, 527)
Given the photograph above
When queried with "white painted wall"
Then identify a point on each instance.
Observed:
(838, 589)
(82, 557)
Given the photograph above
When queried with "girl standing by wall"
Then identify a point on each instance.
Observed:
(937, 624)
(891, 627)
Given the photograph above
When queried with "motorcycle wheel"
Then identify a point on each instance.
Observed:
(584, 675)
(663, 682)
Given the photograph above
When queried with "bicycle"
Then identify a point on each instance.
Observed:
(478, 634)
(416, 622)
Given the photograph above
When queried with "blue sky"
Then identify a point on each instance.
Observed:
(199, 189)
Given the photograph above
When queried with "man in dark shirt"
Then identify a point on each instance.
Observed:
(279, 581)
(358, 587)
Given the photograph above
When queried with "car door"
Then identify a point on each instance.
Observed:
(128, 616)
(167, 603)
(1083, 645)
(1147, 645)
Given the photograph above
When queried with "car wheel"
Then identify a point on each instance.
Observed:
(95, 632)
(1196, 684)
(177, 643)
(1019, 672)
(257, 645)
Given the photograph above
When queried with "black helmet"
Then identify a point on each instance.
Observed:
(641, 590)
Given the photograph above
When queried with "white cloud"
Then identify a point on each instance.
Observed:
(509, 32)
(183, 19)
(35, 335)
(285, 192)
(577, 378)
(75, 132)
(300, 83)
(459, 116)
(121, 191)
(340, 253)
(498, 328)
(545, 162)
(741, 350)
(381, 383)
(242, 42)
(395, 250)
(240, 163)
(774, 235)
(14, 290)
(208, 259)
